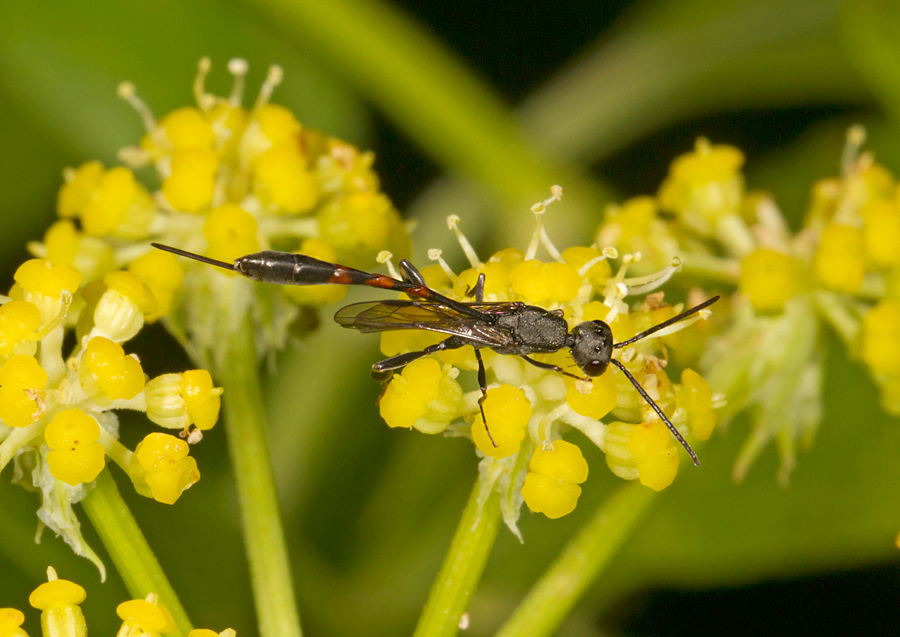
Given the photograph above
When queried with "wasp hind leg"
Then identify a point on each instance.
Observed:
(383, 370)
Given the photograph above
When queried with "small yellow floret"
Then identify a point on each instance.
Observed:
(840, 260)
(131, 287)
(148, 617)
(21, 398)
(881, 338)
(41, 277)
(507, 410)
(769, 278)
(551, 485)
(423, 396)
(541, 283)
(79, 189)
(163, 274)
(881, 231)
(656, 454)
(191, 185)
(231, 232)
(599, 401)
(10, 621)
(60, 592)
(201, 398)
(169, 469)
(187, 128)
(579, 256)
(75, 455)
(704, 185)
(361, 224)
(18, 320)
(282, 179)
(116, 191)
(696, 398)
(278, 124)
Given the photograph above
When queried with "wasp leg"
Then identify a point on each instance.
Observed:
(381, 371)
(411, 274)
(551, 367)
(482, 383)
(659, 412)
(478, 291)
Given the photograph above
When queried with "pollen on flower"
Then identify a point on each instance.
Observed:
(840, 260)
(551, 484)
(423, 396)
(769, 278)
(75, 455)
(149, 617)
(507, 410)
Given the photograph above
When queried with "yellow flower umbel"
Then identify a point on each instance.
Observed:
(233, 180)
(839, 270)
(57, 401)
(517, 426)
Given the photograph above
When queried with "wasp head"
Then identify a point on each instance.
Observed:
(592, 345)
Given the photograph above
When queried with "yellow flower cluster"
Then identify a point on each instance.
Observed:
(60, 602)
(840, 269)
(528, 408)
(234, 181)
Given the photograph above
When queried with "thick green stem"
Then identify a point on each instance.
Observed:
(462, 568)
(245, 424)
(133, 557)
(554, 595)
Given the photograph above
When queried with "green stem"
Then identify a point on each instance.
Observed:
(245, 425)
(554, 595)
(133, 557)
(462, 568)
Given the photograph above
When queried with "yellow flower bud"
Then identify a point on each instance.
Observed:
(769, 278)
(551, 485)
(423, 396)
(75, 455)
(145, 616)
(541, 283)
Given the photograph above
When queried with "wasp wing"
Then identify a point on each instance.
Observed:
(401, 314)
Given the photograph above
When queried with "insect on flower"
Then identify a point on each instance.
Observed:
(512, 328)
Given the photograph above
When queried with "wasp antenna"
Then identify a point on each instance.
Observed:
(665, 324)
(195, 257)
(659, 412)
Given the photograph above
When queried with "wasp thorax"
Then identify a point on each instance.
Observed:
(592, 346)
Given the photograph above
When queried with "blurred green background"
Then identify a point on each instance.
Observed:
(476, 109)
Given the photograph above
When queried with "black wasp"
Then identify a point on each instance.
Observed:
(507, 328)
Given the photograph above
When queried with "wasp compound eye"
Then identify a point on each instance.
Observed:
(595, 368)
(592, 347)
